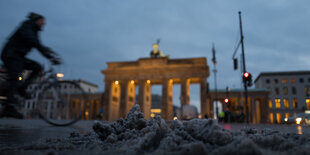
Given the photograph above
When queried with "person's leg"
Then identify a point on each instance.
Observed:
(35, 68)
(14, 67)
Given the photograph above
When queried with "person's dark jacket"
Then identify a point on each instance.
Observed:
(23, 40)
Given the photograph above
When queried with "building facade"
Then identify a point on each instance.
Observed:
(289, 93)
(257, 104)
(30, 105)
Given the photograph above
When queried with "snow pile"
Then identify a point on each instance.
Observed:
(136, 135)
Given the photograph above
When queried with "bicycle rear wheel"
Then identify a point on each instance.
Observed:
(62, 103)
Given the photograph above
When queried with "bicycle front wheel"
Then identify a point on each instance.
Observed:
(62, 103)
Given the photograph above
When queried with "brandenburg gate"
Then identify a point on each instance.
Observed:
(121, 79)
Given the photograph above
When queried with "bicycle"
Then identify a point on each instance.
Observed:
(56, 101)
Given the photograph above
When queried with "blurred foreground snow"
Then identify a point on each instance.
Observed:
(136, 135)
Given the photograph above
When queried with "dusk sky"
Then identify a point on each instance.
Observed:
(88, 34)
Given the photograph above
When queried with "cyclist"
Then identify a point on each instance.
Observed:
(13, 56)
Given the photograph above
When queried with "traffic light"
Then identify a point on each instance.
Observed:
(226, 100)
(235, 63)
(247, 78)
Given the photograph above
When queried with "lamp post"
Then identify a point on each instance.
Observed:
(215, 83)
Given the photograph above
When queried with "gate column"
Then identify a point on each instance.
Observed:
(185, 92)
(114, 104)
(203, 97)
(145, 97)
(167, 93)
(124, 98)
(107, 94)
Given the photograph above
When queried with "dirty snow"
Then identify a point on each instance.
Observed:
(136, 135)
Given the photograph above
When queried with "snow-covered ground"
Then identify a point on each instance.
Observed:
(135, 135)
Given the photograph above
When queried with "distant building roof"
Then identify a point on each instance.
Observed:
(282, 73)
(83, 81)
(241, 90)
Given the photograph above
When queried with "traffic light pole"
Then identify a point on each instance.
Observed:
(244, 70)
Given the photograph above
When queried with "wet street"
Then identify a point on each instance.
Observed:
(13, 131)
(18, 132)
(284, 128)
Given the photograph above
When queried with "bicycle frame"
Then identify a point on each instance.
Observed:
(42, 105)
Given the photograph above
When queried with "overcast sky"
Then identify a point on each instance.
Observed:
(88, 34)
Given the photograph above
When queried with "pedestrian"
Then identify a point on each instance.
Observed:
(14, 59)
(222, 116)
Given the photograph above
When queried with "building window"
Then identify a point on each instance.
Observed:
(277, 103)
(308, 103)
(276, 91)
(294, 90)
(267, 81)
(307, 90)
(283, 80)
(279, 117)
(287, 115)
(309, 80)
(276, 81)
(270, 103)
(292, 80)
(301, 80)
(285, 90)
(286, 103)
(295, 103)
(271, 117)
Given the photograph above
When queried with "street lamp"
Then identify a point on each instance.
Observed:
(59, 75)
(215, 84)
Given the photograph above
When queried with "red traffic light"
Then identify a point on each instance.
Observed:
(246, 74)
(226, 100)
